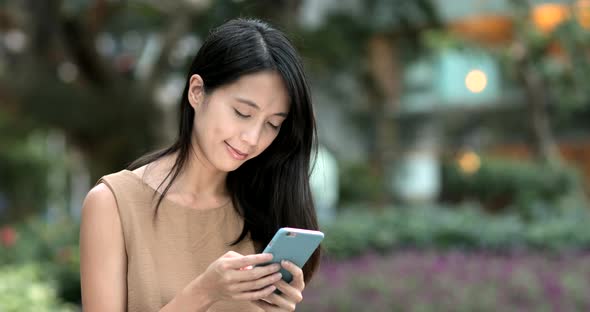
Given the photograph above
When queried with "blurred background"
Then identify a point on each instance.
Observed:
(454, 165)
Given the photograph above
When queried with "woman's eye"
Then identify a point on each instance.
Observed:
(240, 114)
(273, 126)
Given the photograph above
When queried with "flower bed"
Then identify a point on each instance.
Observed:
(452, 281)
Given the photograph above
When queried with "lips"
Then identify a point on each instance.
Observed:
(234, 153)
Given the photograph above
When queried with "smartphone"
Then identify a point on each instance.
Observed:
(295, 245)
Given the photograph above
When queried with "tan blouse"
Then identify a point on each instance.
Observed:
(164, 258)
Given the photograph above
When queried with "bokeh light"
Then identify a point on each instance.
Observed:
(476, 81)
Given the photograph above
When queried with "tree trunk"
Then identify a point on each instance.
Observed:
(537, 102)
(384, 73)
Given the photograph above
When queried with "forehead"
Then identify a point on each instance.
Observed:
(266, 89)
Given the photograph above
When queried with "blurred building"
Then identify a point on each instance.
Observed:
(448, 90)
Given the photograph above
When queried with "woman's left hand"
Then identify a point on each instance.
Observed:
(290, 292)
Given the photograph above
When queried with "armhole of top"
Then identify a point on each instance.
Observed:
(122, 217)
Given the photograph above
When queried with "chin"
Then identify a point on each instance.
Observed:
(229, 166)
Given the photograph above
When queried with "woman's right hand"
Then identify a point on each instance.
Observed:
(234, 277)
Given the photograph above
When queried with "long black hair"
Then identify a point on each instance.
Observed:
(271, 190)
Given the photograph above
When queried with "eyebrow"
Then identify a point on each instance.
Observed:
(252, 104)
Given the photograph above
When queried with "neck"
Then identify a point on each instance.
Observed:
(198, 178)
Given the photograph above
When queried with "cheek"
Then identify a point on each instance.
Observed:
(213, 126)
(265, 143)
(216, 131)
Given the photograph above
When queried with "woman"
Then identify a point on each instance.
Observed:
(181, 229)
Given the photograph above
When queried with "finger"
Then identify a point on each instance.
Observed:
(298, 281)
(255, 295)
(281, 302)
(244, 261)
(232, 254)
(292, 293)
(256, 284)
(267, 307)
(253, 274)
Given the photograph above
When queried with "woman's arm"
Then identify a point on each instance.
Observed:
(103, 261)
(189, 299)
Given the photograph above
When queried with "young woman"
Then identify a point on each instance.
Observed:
(182, 229)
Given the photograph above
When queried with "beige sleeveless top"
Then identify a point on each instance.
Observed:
(164, 258)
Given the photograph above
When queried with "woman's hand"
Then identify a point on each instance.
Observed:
(290, 293)
(234, 277)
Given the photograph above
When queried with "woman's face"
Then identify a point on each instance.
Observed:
(238, 121)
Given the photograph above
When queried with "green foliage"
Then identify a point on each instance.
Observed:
(112, 127)
(567, 79)
(405, 16)
(528, 188)
(54, 247)
(26, 288)
(440, 39)
(23, 167)
(359, 183)
(39, 240)
(343, 44)
(356, 232)
(66, 270)
(559, 57)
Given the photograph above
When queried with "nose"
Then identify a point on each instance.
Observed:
(252, 135)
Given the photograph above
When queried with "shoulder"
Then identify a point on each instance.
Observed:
(100, 206)
(116, 186)
(99, 194)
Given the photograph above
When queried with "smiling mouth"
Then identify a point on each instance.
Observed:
(235, 153)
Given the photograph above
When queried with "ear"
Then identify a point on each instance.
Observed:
(196, 91)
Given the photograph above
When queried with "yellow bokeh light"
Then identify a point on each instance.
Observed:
(476, 81)
(547, 16)
(583, 12)
(469, 162)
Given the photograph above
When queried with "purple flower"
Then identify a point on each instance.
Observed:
(450, 281)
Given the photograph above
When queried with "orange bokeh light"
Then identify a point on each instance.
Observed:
(549, 15)
(583, 13)
(469, 162)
